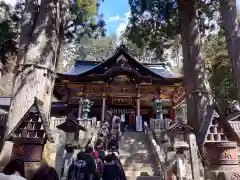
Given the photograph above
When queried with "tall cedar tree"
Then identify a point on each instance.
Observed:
(228, 9)
(42, 33)
(167, 19)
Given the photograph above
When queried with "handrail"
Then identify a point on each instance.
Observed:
(156, 150)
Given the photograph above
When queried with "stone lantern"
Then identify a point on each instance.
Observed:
(158, 104)
(71, 128)
(86, 104)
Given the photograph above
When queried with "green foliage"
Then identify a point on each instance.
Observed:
(90, 49)
(222, 82)
(155, 23)
(83, 20)
(151, 24)
(9, 21)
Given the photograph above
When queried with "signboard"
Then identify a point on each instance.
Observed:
(147, 91)
(139, 124)
(28, 152)
(120, 101)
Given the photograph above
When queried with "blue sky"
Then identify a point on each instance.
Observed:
(116, 13)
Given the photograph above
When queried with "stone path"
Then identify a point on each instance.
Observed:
(136, 157)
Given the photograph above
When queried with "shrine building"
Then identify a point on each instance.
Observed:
(120, 84)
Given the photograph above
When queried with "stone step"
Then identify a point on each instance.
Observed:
(135, 160)
(127, 153)
(139, 172)
(135, 154)
(144, 178)
(137, 165)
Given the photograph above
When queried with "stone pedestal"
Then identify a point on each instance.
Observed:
(222, 161)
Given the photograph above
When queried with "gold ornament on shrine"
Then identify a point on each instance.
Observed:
(163, 96)
(80, 94)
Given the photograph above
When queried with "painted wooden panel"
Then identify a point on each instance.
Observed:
(149, 91)
(29, 152)
(121, 101)
(94, 88)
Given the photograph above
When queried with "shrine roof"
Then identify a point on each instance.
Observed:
(82, 66)
(85, 67)
(33, 126)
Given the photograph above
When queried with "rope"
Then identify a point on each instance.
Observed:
(24, 66)
(201, 91)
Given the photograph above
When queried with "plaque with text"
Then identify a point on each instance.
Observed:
(28, 152)
(94, 88)
(148, 91)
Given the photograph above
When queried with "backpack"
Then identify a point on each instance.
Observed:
(79, 171)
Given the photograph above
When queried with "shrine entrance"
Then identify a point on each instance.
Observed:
(126, 112)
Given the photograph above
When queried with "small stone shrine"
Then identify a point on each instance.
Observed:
(30, 134)
(219, 145)
(177, 133)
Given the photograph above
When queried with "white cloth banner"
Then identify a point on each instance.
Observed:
(123, 118)
(139, 123)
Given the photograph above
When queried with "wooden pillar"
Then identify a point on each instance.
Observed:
(138, 104)
(103, 106)
(80, 108)
(171, 112)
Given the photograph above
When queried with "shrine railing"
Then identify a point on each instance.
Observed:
(156, 150)
(159, 124)
(54, 122)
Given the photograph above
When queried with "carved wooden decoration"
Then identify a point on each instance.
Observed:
(218, 139)
(94, 88)
(130, 101)
(33, 127)
(30, 133)
(149, 91)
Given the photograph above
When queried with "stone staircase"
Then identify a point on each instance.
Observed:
(136, 157)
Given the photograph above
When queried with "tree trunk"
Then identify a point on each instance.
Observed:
(195, 75)
(228, 11)
(27, 26)
(37, 62)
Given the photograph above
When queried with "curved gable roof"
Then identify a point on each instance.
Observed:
(81, 67)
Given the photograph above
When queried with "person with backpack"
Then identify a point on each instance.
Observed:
(84, 167)
(79, 169)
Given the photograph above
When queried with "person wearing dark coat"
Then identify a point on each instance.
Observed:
(84, 167)
(118, 162)
(111, 171)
